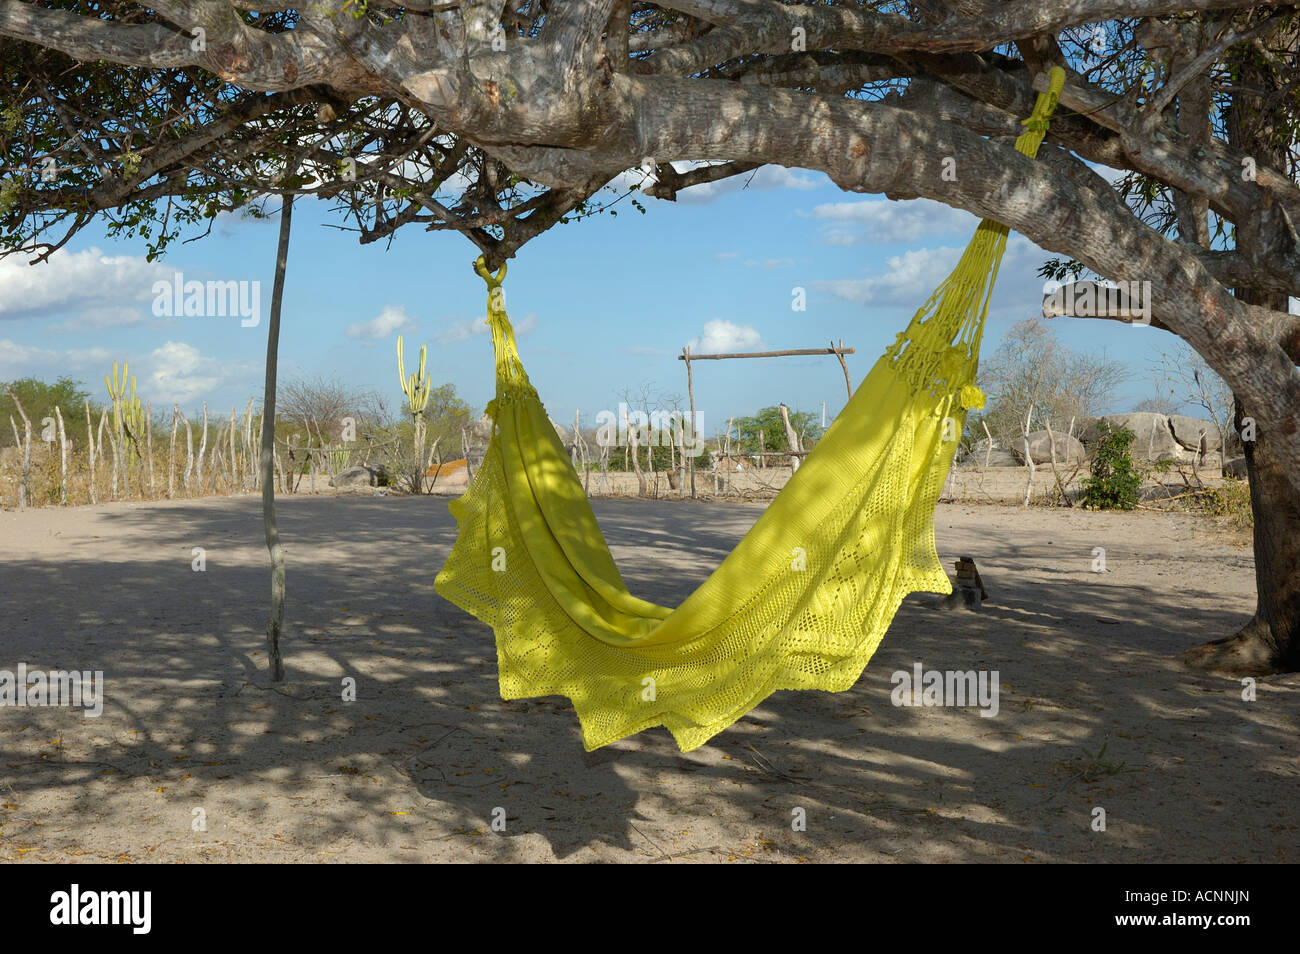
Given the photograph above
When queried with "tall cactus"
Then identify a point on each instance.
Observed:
(128, 411)
(417, 389)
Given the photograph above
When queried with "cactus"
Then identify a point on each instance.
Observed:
(417, 390)
(128, 411)
(416, 387)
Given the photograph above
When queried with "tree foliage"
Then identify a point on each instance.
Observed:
(39, 400)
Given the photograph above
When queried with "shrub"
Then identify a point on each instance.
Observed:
(1232, 500)
(1113, 482)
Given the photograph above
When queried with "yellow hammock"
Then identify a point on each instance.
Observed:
(804, 599)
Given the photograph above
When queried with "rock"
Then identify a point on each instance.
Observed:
(1235, 467)
(1068, 449)
(1187, 431)
(979, 456)
(1154, 436)
(355, 477)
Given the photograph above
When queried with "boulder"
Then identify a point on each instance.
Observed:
(1235, 467)
(358, 476)
(979, 456)
(1040, 447)
(1154, 440)
(1188, 430)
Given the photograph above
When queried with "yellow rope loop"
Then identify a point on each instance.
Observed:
(480, 266)
(510, 373)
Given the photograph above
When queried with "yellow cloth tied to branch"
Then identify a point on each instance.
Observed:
(808, 593)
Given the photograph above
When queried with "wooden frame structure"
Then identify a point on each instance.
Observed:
(836, 349)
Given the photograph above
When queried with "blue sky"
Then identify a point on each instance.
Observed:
(602, 306)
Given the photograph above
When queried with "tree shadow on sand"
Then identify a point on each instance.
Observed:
(1094, 710)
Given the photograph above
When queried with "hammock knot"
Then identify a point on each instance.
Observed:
(493, 281)
(971, 397)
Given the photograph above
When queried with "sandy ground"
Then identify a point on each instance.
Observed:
(414, 769)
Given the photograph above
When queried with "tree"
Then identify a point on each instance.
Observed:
(274, 623)
(1031, 371)
(536, 105)
(1182, 379)
(319, 405)
(768, 420)
(39, 399)
(447, 415)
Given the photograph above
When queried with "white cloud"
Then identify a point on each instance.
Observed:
(909, 279)
(724, 256)
(464, 329)
(21, 361)
(181, 374)
(722, 336)
(101, 285)
(778, 263)
(882, 221)
(392, 319)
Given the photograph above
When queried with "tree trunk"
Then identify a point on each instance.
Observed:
(1270, 642)
(275, 625)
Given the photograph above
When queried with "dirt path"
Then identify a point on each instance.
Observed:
(414, 768)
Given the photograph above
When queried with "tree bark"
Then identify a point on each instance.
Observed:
(275, 625)
(1270, 642)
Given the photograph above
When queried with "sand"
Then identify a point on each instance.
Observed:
(199, 758)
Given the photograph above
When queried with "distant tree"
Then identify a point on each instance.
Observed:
(1157, 405)
(446, 415)
(1032, 370)
(768, 420)
(1183, 380)
(39, 400)
(319, 405)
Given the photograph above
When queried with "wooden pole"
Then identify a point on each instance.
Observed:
(839, 353)
(833, 349)
(275, 624)
(24, 485)
(203, 447)
(148, 442)
(690, 393)
(90, 445)
(63, 458)
(171, 455)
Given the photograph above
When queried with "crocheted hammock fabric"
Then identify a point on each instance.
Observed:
(808, 593)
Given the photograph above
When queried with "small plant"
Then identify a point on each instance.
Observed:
(1113, 482)
(1232, 500)
(1099, 767)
